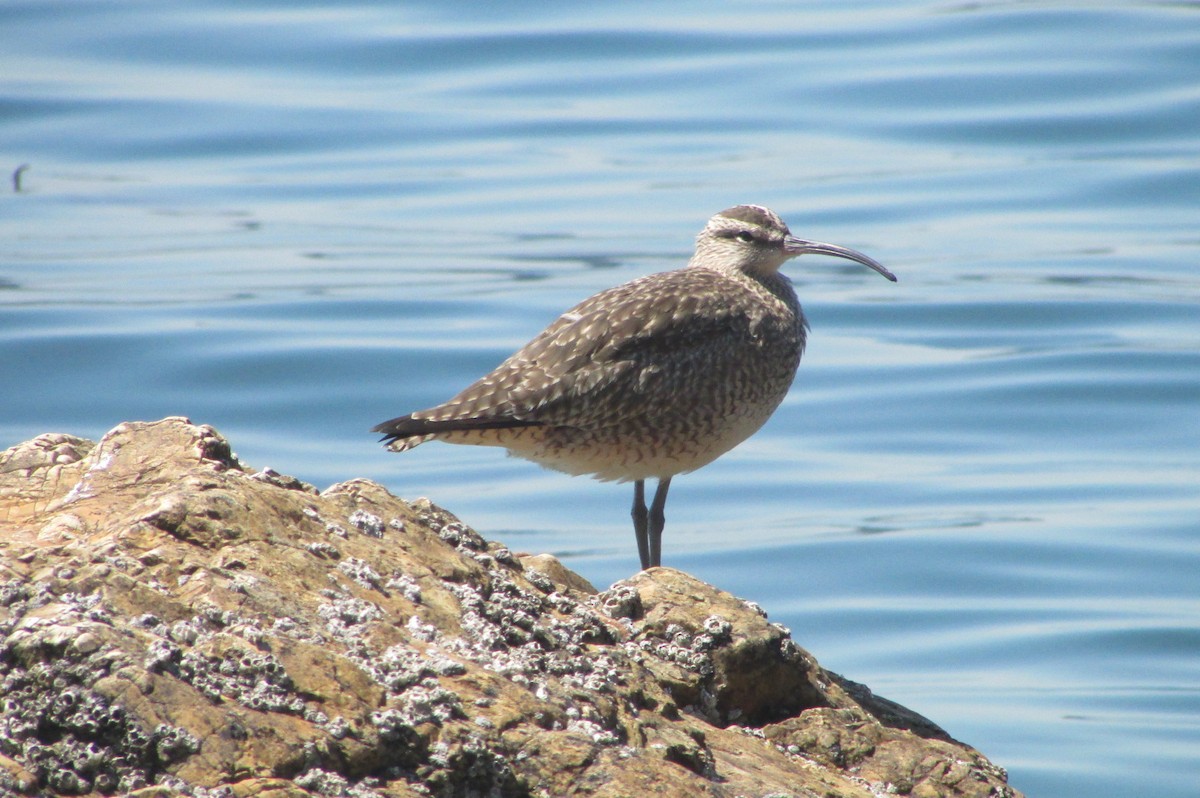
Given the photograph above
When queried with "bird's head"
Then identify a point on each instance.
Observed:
(754, 240)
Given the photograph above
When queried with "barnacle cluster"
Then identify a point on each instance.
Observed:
(70, 737)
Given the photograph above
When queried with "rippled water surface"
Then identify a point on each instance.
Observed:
(292, 221)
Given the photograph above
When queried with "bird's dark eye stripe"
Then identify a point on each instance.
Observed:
(741, 235)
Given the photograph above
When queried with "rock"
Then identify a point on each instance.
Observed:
(175, 623)
(551, 568)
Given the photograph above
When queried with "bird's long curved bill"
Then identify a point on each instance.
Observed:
(798, 246)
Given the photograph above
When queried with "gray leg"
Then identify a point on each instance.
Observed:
(657, 521)
(641, 522)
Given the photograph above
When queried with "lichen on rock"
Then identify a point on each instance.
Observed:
(175, 622)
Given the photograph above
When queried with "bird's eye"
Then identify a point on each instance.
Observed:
(745, 238)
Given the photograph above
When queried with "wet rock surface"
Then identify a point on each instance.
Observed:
(173, 622)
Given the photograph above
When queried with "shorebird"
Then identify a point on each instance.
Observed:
(650, 379)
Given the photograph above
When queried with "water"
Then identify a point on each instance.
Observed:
(293, 221)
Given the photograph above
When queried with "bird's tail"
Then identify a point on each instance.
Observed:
(403, 433)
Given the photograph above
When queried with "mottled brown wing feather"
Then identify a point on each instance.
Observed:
(594, 353)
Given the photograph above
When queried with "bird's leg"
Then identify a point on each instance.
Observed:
(658, 520)
(641, 521)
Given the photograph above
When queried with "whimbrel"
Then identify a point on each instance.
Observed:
(650, 379)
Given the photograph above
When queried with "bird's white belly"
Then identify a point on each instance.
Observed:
(639, 451)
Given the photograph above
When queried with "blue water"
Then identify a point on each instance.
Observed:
(982, 497)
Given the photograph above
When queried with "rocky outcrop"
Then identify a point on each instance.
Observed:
(174, 622)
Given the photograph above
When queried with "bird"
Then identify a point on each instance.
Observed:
(650, 379)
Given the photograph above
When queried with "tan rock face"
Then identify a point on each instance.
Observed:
(173, 622)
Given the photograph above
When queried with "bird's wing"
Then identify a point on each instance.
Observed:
(591, 364)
